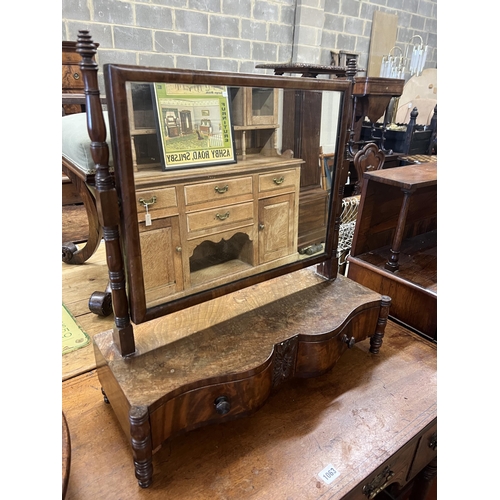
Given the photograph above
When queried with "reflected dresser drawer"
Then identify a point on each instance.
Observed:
(221, 218)
(157, 202)
(221, 191)
(284, 180)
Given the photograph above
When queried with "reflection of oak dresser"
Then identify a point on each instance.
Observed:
(215, 225)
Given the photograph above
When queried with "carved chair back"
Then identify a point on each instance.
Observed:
(366, 160)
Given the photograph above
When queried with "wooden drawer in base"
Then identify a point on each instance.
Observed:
(396, 473)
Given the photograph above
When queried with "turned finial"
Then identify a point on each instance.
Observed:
(351, 68)
(86, 47)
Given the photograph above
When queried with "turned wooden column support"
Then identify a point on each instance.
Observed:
(377, 338)
(106, 196)
(140, 438)
(392, 263)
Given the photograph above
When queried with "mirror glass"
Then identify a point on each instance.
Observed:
(228, 182)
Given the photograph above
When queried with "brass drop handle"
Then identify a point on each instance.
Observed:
(146, 203)
(221, 190)
(378, 483)
(76, 76)
(222, 405)
(279, 181)
(350, 341)
(223, 216)
(261, 226)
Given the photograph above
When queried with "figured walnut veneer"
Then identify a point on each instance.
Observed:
(175, 386)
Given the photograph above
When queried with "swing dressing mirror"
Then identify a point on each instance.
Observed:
(219, 180)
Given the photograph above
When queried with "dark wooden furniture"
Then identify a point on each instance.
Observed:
(229, 369)
(306, 70)
(394, 248)
(73, 98)
(371, 417)
(406, 139)
(371, 99)
(372, 96)
(417, 159)
(72, 81)
(391, 161)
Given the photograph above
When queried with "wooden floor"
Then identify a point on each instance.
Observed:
(352, 418)
(75, 228)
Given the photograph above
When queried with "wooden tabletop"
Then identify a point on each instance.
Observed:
(406, 177)
(353, 418)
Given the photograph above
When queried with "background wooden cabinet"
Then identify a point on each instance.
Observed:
(301, 134)
(202, 232)
(254, 114)
(162, 264)
(276, 227)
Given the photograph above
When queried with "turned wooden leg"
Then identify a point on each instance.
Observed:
(140, 436)
(423, 481)
(392, 263)
(376, 338)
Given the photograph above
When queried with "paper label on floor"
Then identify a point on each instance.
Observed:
(328, 474)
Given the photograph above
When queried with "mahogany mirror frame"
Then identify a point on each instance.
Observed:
(116, 77)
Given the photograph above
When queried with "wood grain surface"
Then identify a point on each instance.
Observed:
(353, 418)
(75, 225)
(80, 281)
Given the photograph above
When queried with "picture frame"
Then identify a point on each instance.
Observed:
(194, 125)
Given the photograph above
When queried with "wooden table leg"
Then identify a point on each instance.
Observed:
(70, 253)
(392, 263)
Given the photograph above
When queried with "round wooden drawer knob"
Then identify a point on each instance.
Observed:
(222, 405)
